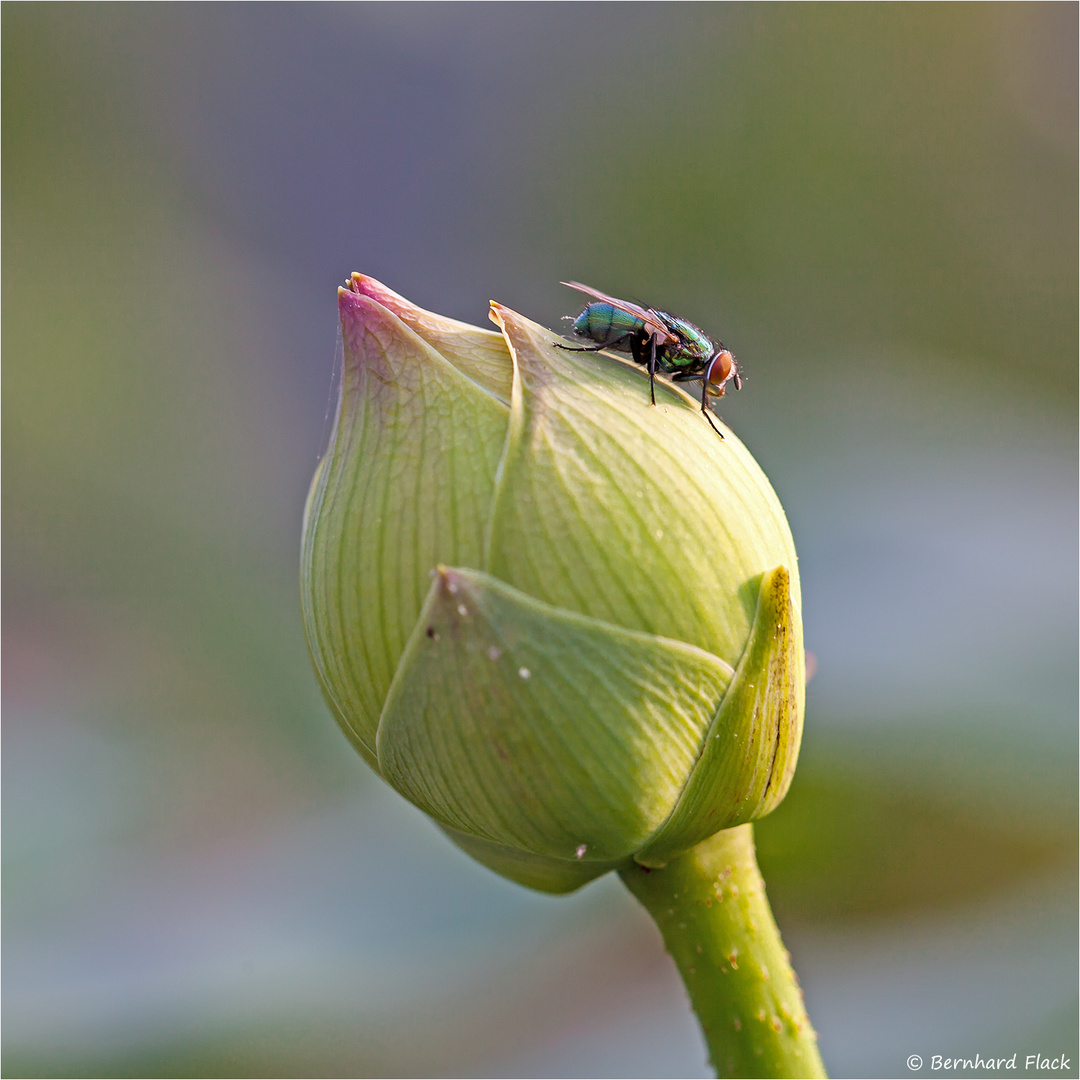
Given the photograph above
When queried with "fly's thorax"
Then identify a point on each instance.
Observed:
(693, 343)
(601, 322)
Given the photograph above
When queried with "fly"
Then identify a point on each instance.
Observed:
(658, 341)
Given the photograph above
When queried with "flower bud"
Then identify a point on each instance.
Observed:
(561, 621)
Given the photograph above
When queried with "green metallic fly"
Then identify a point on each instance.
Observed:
(658, 341)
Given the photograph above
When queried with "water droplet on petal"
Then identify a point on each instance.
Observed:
(580, 852)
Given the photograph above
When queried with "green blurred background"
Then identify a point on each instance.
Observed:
(874, 205)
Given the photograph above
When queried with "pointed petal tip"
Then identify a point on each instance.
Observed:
(511, 322)
(355, 312)
(372, 333)
(364, 303)
(350, 300)
(361, 285)
(369, 286)
(451, 583)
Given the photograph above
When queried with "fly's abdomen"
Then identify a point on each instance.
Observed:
(602, 323)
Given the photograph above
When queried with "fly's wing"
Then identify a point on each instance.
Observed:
(652, 323)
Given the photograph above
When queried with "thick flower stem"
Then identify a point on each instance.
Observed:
(711, 908)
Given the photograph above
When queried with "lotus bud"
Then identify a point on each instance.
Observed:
(563, 622)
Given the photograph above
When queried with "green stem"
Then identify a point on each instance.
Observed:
(711, 908)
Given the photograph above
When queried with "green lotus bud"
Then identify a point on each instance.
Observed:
(563, 622)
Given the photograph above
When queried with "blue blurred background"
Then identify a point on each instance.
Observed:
(874, 205)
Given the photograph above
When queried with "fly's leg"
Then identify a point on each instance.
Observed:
(652, 367)
(705, 408)
(683, 377)
(595, 348)
(637, 351)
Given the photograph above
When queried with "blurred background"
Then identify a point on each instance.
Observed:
(874, 205)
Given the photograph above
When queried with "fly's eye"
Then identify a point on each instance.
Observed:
(721, 367)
